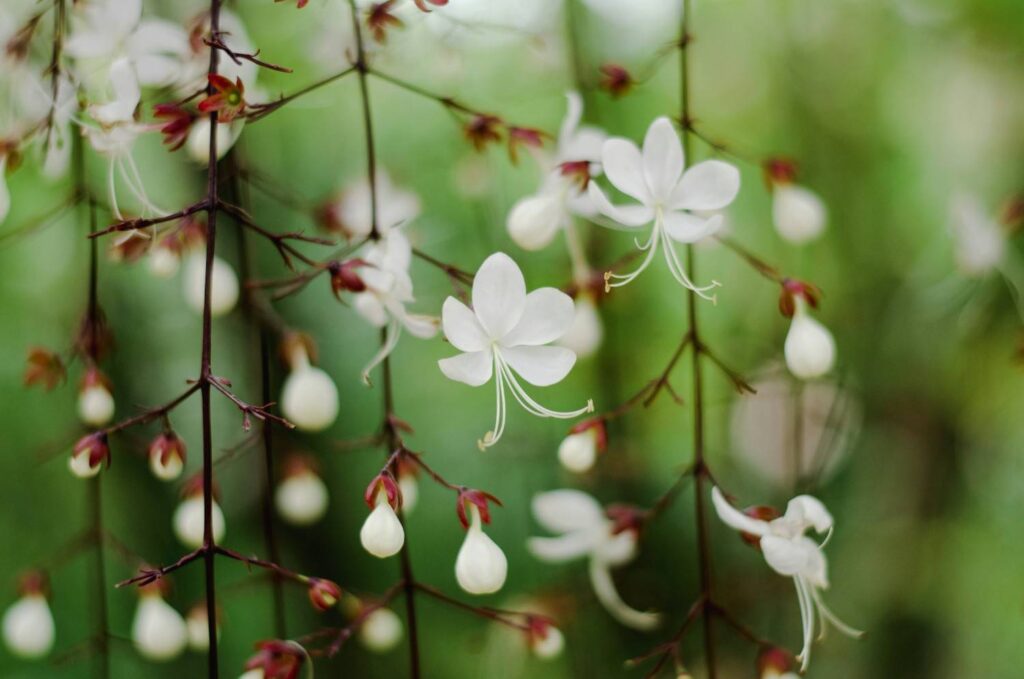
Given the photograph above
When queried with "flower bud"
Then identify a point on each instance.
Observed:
(158, 631)
(188, 519)
(167, 456)
(798, 213)
(410, 489)
(579, 449)
(309, 398)
(198, 144)
(776, 663)
(163, 261)
(546, 640)
(301, 496)
(89, 455)
(28, 624)
(382, 534)
(197, 624)
(381, 630)
(223, 284)
(95, 402)
(276, 659)
(345, 276)
(481, 566)
(810, 349)
(534, 220)
(323, 594)
(586, 331)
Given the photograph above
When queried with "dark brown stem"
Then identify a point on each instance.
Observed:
(759, 265)
(261, 111)
(135, 224)
(502, 617)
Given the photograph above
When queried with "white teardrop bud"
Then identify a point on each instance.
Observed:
(28, 627)
(382, 534)
(198, 629)
(481, 566)
(166, 471)
(163, 262)
(80, 467)
(309, 398)
(586, 332)
(158, 631)
(198, 143)
(301, 499)
(223, 285)
(95, 405)
(410, 489)
(799, 214)
(577, 452)
(188, 522)
(534, 220)
(551, 645)
(381, 630)
(810, 349)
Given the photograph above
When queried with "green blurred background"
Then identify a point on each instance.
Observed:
(890, 106)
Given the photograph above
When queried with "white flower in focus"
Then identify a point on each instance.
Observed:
(28, 625)
(674, 200)
(979, 239)
(309, 397)
(534, 220)
(504, 335)
(188, 521)
(158, 631)
(223, 284)
(301, 497)
(798, 213)
(352, 215)
(810, 348)
(382, 534)
(585, 531)
(791, 553)
(381, 630)
(481, 566)
(585, 334)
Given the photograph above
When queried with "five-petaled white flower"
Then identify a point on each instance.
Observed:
(668, 197)
(504, 335)
(790, 552)
(585, 530)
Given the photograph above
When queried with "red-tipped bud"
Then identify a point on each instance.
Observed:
(523, 136)
(176, 123)
(345, 276)
(44, 367)
(386, 483)
(544, 637)
(616, 80)
(779, 171)
(278, 659)
(89, 455)
(379, 19)
(323, 594)
(227, 98)
(792, 290)
(167, 456)
(33, 582)
(474, 497)
(625, 517)
(483, 130)
(597, 426)
(773, 662)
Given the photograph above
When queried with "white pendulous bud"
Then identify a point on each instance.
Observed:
(799, 214)
(577, 452)
(481, 566)
(381, 630)
(301, 499)
(163, 262)
(29, 627)
(198, 143)
(197, 625)
(810, 349)
(81, 466)
(534, 220)
(410, 489)
(158, 631)
(586, 332)
(223, 285)
(188, 522)
(551, 645)
(382, 534)
(95, 405)
(309, 398)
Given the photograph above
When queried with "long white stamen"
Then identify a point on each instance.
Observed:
(679, 273)
(491, 437)
(532, 406)
(112, 190)
(807, 619)
(624, 279)
(828, 615)
(133, 166)
(391, 335)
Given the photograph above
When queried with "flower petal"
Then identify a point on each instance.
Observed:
(799, 557)
(686, 228)
(663, 158)
(734, 518)
(561, 511)
(809, 510)
(547, 315)
(623, 165)
(564, 548)
(499, 294)
(627, 215)
(461, 327)
(604, 588)
(573, 115)
(473, 368)
(540, 366)
(710, 185)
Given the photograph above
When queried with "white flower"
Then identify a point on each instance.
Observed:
(550, 646)
(810, 349)
(301, 498)
(504, 335)
(352, 213)
(669, 197)
(197, 624)
(481, 566)
(381, 630)
(382, 534)
(198, 143)
(534, 220)
(309, 397)
(223, 284)
(979, 240)
(158, 631)
(798, 213)
(95, 405)
(28, 626)
(578, 451)
(163, 261)
(188, 521)
(585, 531)
(791, 553)
(585, 334)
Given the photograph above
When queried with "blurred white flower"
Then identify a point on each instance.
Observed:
(481, 566)
(810, 348)
(798, 213)
(351, 213)
(301, 497)
(585, 531)
(158, 631)
(95, 405)
(978, 238)
(789, 552)
(188, 521)
(674, 200)
(197, 626)
(585, 334)
(381, 630)
(198, 143)
(309, 397)
(28, 626)
(550, 645)
(223, 284)
(504, 335)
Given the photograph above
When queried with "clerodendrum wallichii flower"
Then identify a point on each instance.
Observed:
(790, 552)
(672, 199)
(504, 335)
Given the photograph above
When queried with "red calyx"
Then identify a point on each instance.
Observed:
(779, 171)
(379, 19)
(478, 498)
(278, 659)
(95, 446)
(578, 171)
(761, 513)
(344, 276)
(523, 136)
(227, 98)
(178, 123)
(600, 431)
(482, 130)
(774, 659)
(323, 594)
(625, 517)
(386, 482)
(791, 290)
(167, 445)
(422, 4)
(616, 80)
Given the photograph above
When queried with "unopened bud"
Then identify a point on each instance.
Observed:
(323, 594)
(167, 456)
(95, 402)
(810, 348)
(481, 566)
(381, 630)
(158, 631)
(301, 496)
(223, 285)
(90, 453)
(309, 397)
(28, 625)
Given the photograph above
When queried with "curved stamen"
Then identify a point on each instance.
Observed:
(491, 437)
(531, 405)
(807, 619)
(624, 279)
(391, 335)
(827, 614)
(679, 273)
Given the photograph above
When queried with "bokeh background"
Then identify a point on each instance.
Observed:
(891, 108)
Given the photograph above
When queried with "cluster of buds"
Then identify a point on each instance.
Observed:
(28, 625)
(481, 566)
(90, 454)
(810, 349)
(580, 448)
(159, 633)
(95, 402)
(301, 496)
(798, 213)
(382, 534)
(167, 456)
(276, 659)
(189, 517)
(309, 398)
